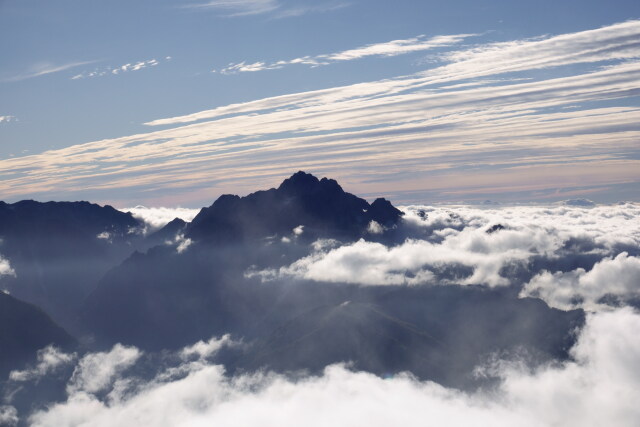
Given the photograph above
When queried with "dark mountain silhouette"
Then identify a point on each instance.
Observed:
(25, 329)
(75, 220)
(322, 206)
(59, 251)
(437, 333)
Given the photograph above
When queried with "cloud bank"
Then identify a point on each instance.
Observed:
(613, 277)
(481, 246)
(600, 386)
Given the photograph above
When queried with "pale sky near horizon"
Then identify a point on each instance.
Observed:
(170, 102)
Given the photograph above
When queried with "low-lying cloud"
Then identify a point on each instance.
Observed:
(8, 415)
(5, 267)
(617, 277)
(486, 242)
(600, 386)
(49, 359)
(96, 371)
(158, 217)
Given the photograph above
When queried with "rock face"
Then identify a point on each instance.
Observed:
(25, 329)
(322, 206)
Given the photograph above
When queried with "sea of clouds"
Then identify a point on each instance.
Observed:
(571, 255)
(600, 386)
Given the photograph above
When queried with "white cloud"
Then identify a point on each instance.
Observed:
(614, 42)
(318, 7)
(601, 386)
(8, 415)
(7, 119)
(45, 68)
(445, 238)
(49, 359)
(518, 139)
(105, 71)
(104, 235)
(375, 228)
(158, 217)
(5, 268)
(275, 8)
(239, 7)
(96, 371)
(411, 263)
(183, 244)
(391, 48)
(617, 277)
(203, 349)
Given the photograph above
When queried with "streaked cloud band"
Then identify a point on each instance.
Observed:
(482, 123)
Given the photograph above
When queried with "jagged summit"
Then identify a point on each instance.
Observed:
(301, 183)
(321, 205)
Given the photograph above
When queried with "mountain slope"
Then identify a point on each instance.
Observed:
(24, 329)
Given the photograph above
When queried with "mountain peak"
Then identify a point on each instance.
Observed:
(321, 205)
(298, 180)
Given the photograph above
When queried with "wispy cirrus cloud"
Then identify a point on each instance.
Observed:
(273, 8)
(125, 68)
(299, 10)
(43, 69)
(238, 7)
(485, 124)
(391, 48)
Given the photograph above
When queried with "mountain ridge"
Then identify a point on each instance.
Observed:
(320, 205)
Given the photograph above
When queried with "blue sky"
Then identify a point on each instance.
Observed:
(417, 100)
